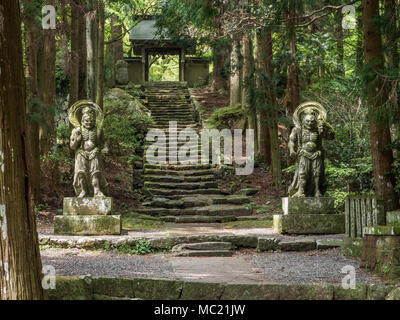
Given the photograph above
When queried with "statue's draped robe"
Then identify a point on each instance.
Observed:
(309, 164)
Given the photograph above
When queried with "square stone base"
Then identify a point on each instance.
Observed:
(87, 206)
(308, 205)
(381, 255)
(393, 218)
(309, 223)
(87, 225)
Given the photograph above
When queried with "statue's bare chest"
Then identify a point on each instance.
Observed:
(309, 140)
(89, 139)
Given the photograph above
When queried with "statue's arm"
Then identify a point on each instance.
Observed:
(292, 142)
(328, 132)
(76, 137)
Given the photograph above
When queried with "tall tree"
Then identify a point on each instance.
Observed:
(32, 43)
(248, 84)
(74, 61)
(47, 87)
(20, 264)
(293, 91)
(268, 125)
(234, 80)
(100, 55)
(382, 157)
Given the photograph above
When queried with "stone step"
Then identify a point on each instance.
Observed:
(189, 173)
(204, 253)
(202, 246)
(211, 210)
(179, 167)
(198, 219)
(184, 185)
(178, 179)
(196, 201)
(182, 192)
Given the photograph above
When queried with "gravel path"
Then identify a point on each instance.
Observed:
(307, 267)
(74, 262)
(281, 267)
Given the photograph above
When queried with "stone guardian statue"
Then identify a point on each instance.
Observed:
(87, 140)
(305, 142)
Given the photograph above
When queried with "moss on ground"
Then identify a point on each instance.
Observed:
(134, 221)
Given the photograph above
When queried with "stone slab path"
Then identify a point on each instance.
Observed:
(313, 267)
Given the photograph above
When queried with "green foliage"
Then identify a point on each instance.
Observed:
(141, 247)
(226, 117)
(125, 131)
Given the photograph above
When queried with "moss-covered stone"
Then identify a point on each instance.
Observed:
(267, 244)
(251, 292)
(381, 254)
(382, 231)
(200, 291)
(378, 292)
(87, 225)
(394, 294)
(157, 289)
(298, 245)
(352, 247)
(308, 205)
(71, 288)
(309, 223)
(114, 287)
(393, 217)
(87, 206)
(358, 293)
(306, 292)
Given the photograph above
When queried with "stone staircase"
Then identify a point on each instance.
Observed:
(179, 190)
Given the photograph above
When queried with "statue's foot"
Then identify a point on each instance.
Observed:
(318, 194)
(299, 194)
(82, 194)
(99, 194)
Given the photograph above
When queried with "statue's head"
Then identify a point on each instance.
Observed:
(88, 118)
(309, 122)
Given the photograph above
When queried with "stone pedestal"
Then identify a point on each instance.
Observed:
(381, 251)
(87, 216)
(309, 216)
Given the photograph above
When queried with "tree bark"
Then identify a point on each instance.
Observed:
(248, 85)
(219, 56)
(116, 31)
(91, 47)
(20, 264)
(293, 91)
(339, 43)
(235, 94)
(32, 43)
(100, 57)
(382, 157)
(262, 108)
(269, 142)
(47, 76)
(74, 61)
(82, 76)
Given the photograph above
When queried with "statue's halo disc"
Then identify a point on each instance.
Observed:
(75, 112)
(309, 105)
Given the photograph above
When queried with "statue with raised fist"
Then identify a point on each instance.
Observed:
(305, 142)
(87, 141)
